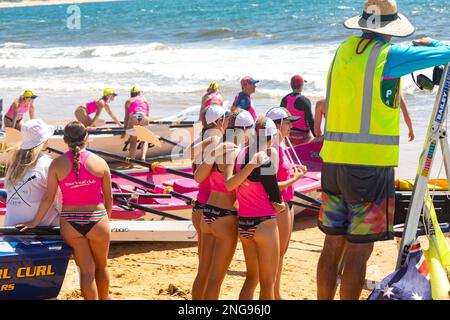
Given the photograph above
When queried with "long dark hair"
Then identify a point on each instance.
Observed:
(75, 134)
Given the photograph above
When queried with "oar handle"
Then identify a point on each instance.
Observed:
(307, 198)
(304, 205)
(162, 169)
(54, 150)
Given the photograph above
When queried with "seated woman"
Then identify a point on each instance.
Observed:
(26, 177)
(95, 107)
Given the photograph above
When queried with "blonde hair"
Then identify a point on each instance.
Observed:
(75, 134)
(22, 161)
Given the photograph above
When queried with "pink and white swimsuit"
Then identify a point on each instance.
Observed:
(23, 108)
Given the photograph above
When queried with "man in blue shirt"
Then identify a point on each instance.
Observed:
(243, 99)
(358, 194)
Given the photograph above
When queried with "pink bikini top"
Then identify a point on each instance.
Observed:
(87, 190)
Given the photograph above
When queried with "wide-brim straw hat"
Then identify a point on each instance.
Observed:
(381, 16)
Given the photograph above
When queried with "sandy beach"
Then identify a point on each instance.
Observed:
(166, 271)
(27, 3)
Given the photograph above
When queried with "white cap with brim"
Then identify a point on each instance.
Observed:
(381, 16)
(279, 113)
(243, 119)
(34, 133)
(213, 113)
(265, 127)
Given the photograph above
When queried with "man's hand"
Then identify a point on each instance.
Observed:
(425, 41)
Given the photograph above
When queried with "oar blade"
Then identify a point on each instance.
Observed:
(144, 134)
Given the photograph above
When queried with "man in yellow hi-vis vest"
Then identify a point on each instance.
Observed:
(361, 141)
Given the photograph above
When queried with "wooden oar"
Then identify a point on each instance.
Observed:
(153, 166)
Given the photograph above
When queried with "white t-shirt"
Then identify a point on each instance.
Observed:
(25, 197)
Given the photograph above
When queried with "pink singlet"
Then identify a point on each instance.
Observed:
(253, 199)
(91, 107)
(290, 106)
(217, 181)
(23, 108)
(87, 190)
(139, 106)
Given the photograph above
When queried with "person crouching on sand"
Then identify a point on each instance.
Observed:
(17, 110)
(219, 225)
(137, 111)
(95, 107)
(259, 200)
(84, 219)
(26, 177)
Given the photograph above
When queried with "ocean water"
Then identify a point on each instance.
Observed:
(172, 49)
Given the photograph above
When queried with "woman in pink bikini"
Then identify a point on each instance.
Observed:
(17, 110)
(287, 175)
(85, 183)
(259, 201)
(136, 113)
(219, 225)
(213, 128)
(94, 108)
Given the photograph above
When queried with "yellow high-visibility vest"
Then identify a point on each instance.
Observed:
(360, 128)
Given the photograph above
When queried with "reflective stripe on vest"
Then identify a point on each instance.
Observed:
(360, 128)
